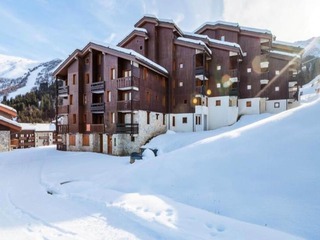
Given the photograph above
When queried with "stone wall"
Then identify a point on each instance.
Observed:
(4, 141)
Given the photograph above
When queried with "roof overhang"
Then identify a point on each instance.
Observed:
(8, 110)
(12, 126)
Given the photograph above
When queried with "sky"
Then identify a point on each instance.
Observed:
(47, 29)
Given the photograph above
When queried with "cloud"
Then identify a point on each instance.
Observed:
(287, 19)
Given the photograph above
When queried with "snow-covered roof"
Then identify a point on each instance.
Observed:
(141, 30)
(287, 44)
(39, 127)
(285, 54)
(198, 42)
(257, 30)
(8, 107)
(211, 40)
(7, 120)
(138, 56)
(230, 24)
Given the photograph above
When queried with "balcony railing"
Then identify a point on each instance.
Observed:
(63, 128)
(201, 73)
(97, 128)
(128, 105)
(98, 87)
(127, 128)
(63, 91)
(127, 82)
(97, 107)
(233, 92)
(63, 109)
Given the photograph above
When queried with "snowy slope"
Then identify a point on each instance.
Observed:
(19, 75)
(250, 181)
(312, 46)
(14, 67)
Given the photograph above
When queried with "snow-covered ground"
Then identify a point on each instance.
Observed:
(258, 179)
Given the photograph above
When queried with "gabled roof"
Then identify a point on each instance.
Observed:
(159, 22)
(288, 47)
(12, 125)
(198, 44)
(39, 127)
(112, 50)
(235, 27)
(8, 110)
(216, 43)
(135, 32)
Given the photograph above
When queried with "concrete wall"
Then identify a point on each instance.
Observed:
(4, 141)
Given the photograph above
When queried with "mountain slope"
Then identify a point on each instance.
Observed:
(312, 46)
(19, 75)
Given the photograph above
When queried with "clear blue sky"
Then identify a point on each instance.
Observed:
(47, 29)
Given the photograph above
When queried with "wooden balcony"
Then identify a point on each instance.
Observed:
(128, 105)
(233, 92)
(63, 128)
(97, 107)
(98, 87)
(63, 91)
(127, 128)
(201, 73)
(96, 128)
(63, 110)
(127, 83)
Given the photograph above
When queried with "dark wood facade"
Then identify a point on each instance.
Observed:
(159, 68)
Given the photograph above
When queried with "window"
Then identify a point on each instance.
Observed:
(85, 140)
(74, 79)
(127, 73)
(108, 96)
(114, 142)
(87, 60)
(276, 105)
(132, 138)
(72, 140)
(71, 100)
(145, 73)
(277, 89)
(249, 87)
(185, 101)
(249, 70)
(163, 119)
(157, 116)
(223, 38)
(184, 120)
(84, 99)
(84, 118)
(248, 104)
(218, 102)
(113, 73)
(99, 59)
(181, 65)
(173, 121)
(198, 120)
(180, 84)
(218, 85)
(277, 72)
(148, 117)
(113, 117)
(87, 78)
(148, 97)
(219, 67)
(74, 118)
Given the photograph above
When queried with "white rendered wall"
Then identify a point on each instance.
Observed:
(276, 106)
(254, 109)
(223, 115)
(179, 125)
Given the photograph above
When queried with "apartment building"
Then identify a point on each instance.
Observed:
(7, 126)
(112, 99)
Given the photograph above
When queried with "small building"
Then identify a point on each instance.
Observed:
(34, 135)
(7, 126)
